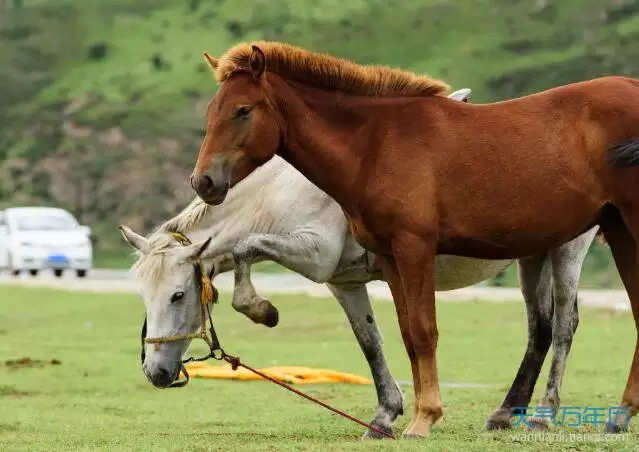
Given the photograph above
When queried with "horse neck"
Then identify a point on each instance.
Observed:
(236, 217)
(318, 132)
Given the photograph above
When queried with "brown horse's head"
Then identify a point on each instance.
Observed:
(242, 131)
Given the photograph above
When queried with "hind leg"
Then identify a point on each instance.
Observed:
(623, 244)
(535, 274)
(567, 261)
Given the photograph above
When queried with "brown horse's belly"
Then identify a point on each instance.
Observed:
(523, 212)
(511, 244)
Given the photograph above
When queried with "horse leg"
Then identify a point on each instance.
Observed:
(566, 266)
(299, 252)
(356, 303)
(535, 275)
(623, 244)
(391, 276)
(415, 258)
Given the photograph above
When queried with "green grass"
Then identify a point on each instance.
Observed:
(98, 398)
(118, 259)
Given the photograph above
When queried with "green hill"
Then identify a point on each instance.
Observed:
(101, 103)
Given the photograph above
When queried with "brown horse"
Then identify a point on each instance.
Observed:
(418, 174)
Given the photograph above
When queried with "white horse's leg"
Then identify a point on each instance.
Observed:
(567, 261)
(535, 276)
(357, 305)
(304, 253)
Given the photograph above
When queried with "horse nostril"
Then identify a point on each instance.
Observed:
(205, 184)
(163, 376)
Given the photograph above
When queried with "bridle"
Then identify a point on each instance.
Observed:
(208, 296)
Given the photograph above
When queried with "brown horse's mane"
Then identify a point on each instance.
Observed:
(330, 72)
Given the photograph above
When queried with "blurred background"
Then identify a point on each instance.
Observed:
(102, 102)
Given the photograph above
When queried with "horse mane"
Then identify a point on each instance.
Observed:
(149, 267)
(330, 72)
(186, 220)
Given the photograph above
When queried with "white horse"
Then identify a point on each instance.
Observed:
(277, 214)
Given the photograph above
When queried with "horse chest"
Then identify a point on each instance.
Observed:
(364, 235)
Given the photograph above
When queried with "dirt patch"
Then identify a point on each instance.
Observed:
(4, 427)
(12, 391)
(23, 363)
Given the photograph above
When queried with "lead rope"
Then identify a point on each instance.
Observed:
(209, 295)
(235, 362)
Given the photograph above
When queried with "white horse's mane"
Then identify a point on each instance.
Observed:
(150, 266)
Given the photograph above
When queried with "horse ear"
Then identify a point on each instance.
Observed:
(461, 94)
(134, 239)
(212, 62)
(194, 252)
(257, 63)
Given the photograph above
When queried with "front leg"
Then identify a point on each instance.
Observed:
(305, 253)
(356, 303)
(415, 259)
(391, 275)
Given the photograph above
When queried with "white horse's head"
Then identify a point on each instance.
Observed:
(170, 289)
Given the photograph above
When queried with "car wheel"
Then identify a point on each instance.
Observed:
(81, 273)
(33, 272)
(14, 272)
(58, 272)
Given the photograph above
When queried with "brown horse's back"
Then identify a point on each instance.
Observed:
(493, 165)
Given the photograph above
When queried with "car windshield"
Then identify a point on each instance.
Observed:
(46, 222)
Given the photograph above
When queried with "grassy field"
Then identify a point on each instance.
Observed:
(97, 396)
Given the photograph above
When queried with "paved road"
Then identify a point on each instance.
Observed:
(104, 280)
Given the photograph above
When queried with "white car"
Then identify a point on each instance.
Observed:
(39, 238)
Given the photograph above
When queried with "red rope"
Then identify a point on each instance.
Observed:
(235, 363)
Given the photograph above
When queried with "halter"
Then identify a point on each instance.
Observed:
(208, 295)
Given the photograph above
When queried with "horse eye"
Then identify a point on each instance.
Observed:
(177, 296)
(242, 112)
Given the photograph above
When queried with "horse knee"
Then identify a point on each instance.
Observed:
(425, 340)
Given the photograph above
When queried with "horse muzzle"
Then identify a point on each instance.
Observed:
(210, 192)
(161, 376)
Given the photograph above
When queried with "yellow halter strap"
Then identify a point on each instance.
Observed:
(208, 294)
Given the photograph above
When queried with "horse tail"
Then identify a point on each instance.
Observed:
(624, 154)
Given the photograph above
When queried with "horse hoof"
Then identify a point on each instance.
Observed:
(372, 434)
(537, 424)
(499, 420)
(417, 430)
(272, 316)
(614, 428)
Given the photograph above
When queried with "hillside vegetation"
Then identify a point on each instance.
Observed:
(102, 103)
